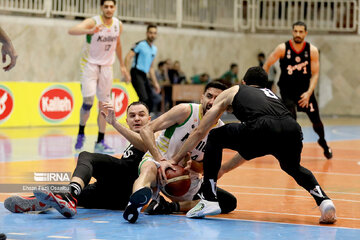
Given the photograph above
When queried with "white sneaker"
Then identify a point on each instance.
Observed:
(327, 210)
(203, 208)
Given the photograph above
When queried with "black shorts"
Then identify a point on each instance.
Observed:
(279, 136)
(114, 180)
(291, 101)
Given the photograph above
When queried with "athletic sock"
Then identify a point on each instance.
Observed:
(75, 189)
(81, 129)
(208, 188)
(100, 137)
(318, 194)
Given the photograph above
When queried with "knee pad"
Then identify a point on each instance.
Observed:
(86, 106)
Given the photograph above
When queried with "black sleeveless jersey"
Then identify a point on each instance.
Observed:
(131, 158)
(295, 69)
(251, 103)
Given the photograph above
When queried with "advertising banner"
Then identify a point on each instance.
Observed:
(28, 104)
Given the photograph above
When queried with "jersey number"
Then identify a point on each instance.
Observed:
(107, 47)
(269, 93)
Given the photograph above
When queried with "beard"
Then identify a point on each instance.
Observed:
(298, 39)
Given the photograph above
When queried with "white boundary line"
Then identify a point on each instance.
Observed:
(293, 214)
(283, 195)
(287, 189)
(300, 224)
(280, 170)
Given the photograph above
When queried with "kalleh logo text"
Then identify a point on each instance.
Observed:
(56, 104)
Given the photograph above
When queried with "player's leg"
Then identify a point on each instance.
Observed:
(218, 139)
(88, 163)
(84, 116)
(88, 89)
(142, 188)
(139, 81)
(103, 92)
(289, 155)
(314, 115)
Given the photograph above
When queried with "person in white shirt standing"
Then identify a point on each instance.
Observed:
(102, 41)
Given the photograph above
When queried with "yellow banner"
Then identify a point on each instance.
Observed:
(28, 104)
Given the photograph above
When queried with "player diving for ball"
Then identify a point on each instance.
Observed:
(177, 123)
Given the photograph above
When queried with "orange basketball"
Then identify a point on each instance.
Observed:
(178, 181)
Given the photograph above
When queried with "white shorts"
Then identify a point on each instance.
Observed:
(96, 79)
(194, 187)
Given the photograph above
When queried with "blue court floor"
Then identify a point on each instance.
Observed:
(104, 224)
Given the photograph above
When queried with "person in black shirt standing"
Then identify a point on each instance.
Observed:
(299, 63)
(266, 127)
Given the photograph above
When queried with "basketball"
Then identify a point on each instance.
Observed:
(178, 181)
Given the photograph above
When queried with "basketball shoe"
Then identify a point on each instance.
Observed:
(19, 204)
(79, 142)
(208, 204)
(160, 206)
(327, 210)
(63, 202)
(327, 150)
(102, 147)
(137, 200)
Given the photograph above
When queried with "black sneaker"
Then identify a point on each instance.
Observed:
(328, 153)
(327, 150)
(159, 207)
(137, 200)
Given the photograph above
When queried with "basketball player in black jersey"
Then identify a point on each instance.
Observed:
(266, 127)
(299, 63)
(107, 170)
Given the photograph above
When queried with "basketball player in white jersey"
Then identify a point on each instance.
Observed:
(177, 123)
(102, 41)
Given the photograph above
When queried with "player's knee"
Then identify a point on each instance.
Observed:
(86, 106)
(148, 168)
(290, 169)
(85, 158)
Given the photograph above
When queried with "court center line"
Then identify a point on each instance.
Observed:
(287, 189)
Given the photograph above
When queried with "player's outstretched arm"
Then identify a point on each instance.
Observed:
(278, 53)
(233, 163)
(134, 138)
(88, 26)
(314, 61)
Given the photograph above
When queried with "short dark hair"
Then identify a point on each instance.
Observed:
(261, 55)
(138, 103)
(256, 76)
(299, 23)
(233, 65)
(161, 63)
(103, 1)
(150, 26)
(215, 84)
